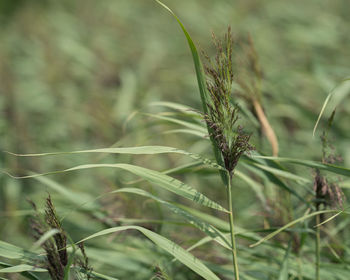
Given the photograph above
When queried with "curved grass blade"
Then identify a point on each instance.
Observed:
(161, 180)
(176, 170)
(313, 164)
(178, 107)
(186, 131)
(328, 220)
(172, 248)
(142, 150)
(94, 274)
(196, 60)
(269, 236)
(256, 187)
(200, 224)
(274, 179)
(201, 85)
(215, 221)
(77, 198)
(190, 125)
(341, 91)
(282, 173)
(10, 251)
(21, 268)
(250, 235)
(26, 274)
(47, 235)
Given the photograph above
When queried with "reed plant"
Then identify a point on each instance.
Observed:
(221, 119)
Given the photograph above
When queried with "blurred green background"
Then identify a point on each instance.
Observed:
(73, 74)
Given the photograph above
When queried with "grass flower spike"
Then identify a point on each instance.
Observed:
(222, 115)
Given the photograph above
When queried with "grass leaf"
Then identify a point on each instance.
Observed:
(172, 248)
(201, 85)
(339, 93)
(271, 235)
(200, 224)
(142, 150)
(161, 180)
(284, 267)
(21, 268)
(313, 164)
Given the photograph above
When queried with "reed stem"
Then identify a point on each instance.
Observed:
(233, 240)
(317, 267)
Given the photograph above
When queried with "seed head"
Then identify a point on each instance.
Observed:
(56, 252)
(327, 193)
(222, 115)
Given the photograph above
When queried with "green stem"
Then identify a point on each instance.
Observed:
(233, 240)
(317, 248)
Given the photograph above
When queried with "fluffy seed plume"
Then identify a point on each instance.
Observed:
(327, 193)
(222, 115)
(56, 258)
(55, 248)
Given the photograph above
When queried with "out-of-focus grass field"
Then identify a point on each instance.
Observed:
(84, 74)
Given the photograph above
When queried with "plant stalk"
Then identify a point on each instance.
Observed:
(233, 240)
(267, 128)
(317, 267)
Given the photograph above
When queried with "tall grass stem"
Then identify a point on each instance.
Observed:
(233, 240)
(317, 266)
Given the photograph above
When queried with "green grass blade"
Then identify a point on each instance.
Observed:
(271, 235)
(255, 185)
(95, 275)
(186, 131)
(190, 125)
(284, 267)
(47, 235)
(339, 92)
(76, 198)
(198, 223)
(142, 150)
(313, 164)
(223, 225)
(274, 179)
(26, 274)
(282, 173)
(328, 220)
(10, 251)
(159, 179)
(21, 268)
(178, 107)
(196, 60)
(201, 85)
(172, 248)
